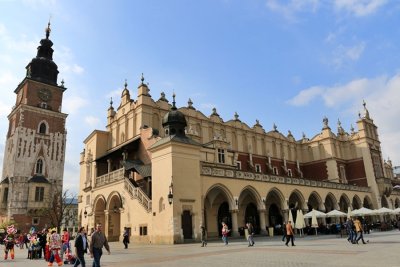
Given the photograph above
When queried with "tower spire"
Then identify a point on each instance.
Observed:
(48, 30)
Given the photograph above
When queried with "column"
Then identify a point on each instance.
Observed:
(106, 225)
(234, 230)
(261, 214)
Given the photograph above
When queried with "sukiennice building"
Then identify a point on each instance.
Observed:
(162, 172)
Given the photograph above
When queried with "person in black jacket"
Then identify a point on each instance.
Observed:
(81, 245)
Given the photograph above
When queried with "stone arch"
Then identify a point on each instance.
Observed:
(384, 202)
(114, 208)
(249, 204)
(99, 207)
(367, 203)
(296, 200)
(218, 202)
(275, 203)
(356, 203)
(331, 202)
(344, 202)
(252, 192)
(397, 203)
(315, 202)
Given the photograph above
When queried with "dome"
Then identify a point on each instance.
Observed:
(174, 122)
(174, 117)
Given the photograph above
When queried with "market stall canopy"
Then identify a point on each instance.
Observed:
(362, 212)
(383, 211)
(318, 214)
(336, 213)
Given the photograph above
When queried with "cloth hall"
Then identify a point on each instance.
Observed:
(163, 171)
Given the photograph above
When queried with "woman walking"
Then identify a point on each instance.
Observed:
(225, 232)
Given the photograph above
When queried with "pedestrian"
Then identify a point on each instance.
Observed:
(54, 247)
(125, 237)
(250, 231)
(98, 240)
(289, 234)
(359, 231)
(225, 230)
(65, 243)
(284, 232)
(203, 236)
(81, 245)
(350, 231)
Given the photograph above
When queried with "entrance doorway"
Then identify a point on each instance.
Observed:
(224, 216)
(187, 225)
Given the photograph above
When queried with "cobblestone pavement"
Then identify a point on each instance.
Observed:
(328, 251)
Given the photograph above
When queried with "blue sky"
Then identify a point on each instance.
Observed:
(285, 62)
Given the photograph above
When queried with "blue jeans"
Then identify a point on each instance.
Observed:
(225, 239)
(80, 259)
(97, 252)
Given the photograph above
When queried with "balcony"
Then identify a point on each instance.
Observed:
(110, 177)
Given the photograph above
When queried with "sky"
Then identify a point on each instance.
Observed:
(289, 62)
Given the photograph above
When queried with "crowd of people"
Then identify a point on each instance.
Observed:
(56, 248)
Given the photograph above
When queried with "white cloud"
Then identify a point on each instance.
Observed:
(290, 9)
(359, 8)
(343, 55)
(306, 96)
(72, 104)
(92, 121)
(382, 96)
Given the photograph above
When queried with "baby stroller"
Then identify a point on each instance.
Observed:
(68, 257)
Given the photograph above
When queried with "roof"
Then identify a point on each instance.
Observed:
(175, 138)
(138, 166)
(5, 181)
(38, 179)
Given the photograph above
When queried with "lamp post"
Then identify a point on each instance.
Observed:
(170, 194)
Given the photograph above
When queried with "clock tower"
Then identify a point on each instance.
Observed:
(34, 154)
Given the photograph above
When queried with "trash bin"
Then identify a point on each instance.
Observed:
(271, 231)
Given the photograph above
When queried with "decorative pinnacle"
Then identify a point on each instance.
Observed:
(142, 79)
(62, 83)
(111, 103)
(48, 30)
(126, 84)
(173, 102)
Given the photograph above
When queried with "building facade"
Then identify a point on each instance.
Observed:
(163, 172)
(34, 154)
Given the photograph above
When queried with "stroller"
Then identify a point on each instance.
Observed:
(68, 257)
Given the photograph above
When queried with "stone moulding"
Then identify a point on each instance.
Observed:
(232, 174)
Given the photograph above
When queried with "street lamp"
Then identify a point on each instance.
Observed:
(170, 194)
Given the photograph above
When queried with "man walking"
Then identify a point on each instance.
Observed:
(96, 245)
(81, 245)
(125, 237)
(289, 234)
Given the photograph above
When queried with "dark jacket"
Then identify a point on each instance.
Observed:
(79, 245)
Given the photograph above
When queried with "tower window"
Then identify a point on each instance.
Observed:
(42, 128)
(238, 165)
(221, 155)
(289, 173)
(39, 166)
(5, 195)
(275, 170)
(39, 194)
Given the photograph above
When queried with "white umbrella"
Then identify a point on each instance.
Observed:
(348, 212)
(396, 211)
(300, 224)
(362, 212)
(384, 211)
(318, 214)
(291, 216)
(336, 213)
(314, 222)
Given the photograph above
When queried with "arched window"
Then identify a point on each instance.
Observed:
(39, 166)
(43, 127)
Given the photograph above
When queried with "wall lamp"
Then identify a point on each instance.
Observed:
(85, 213)
(170, 194)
